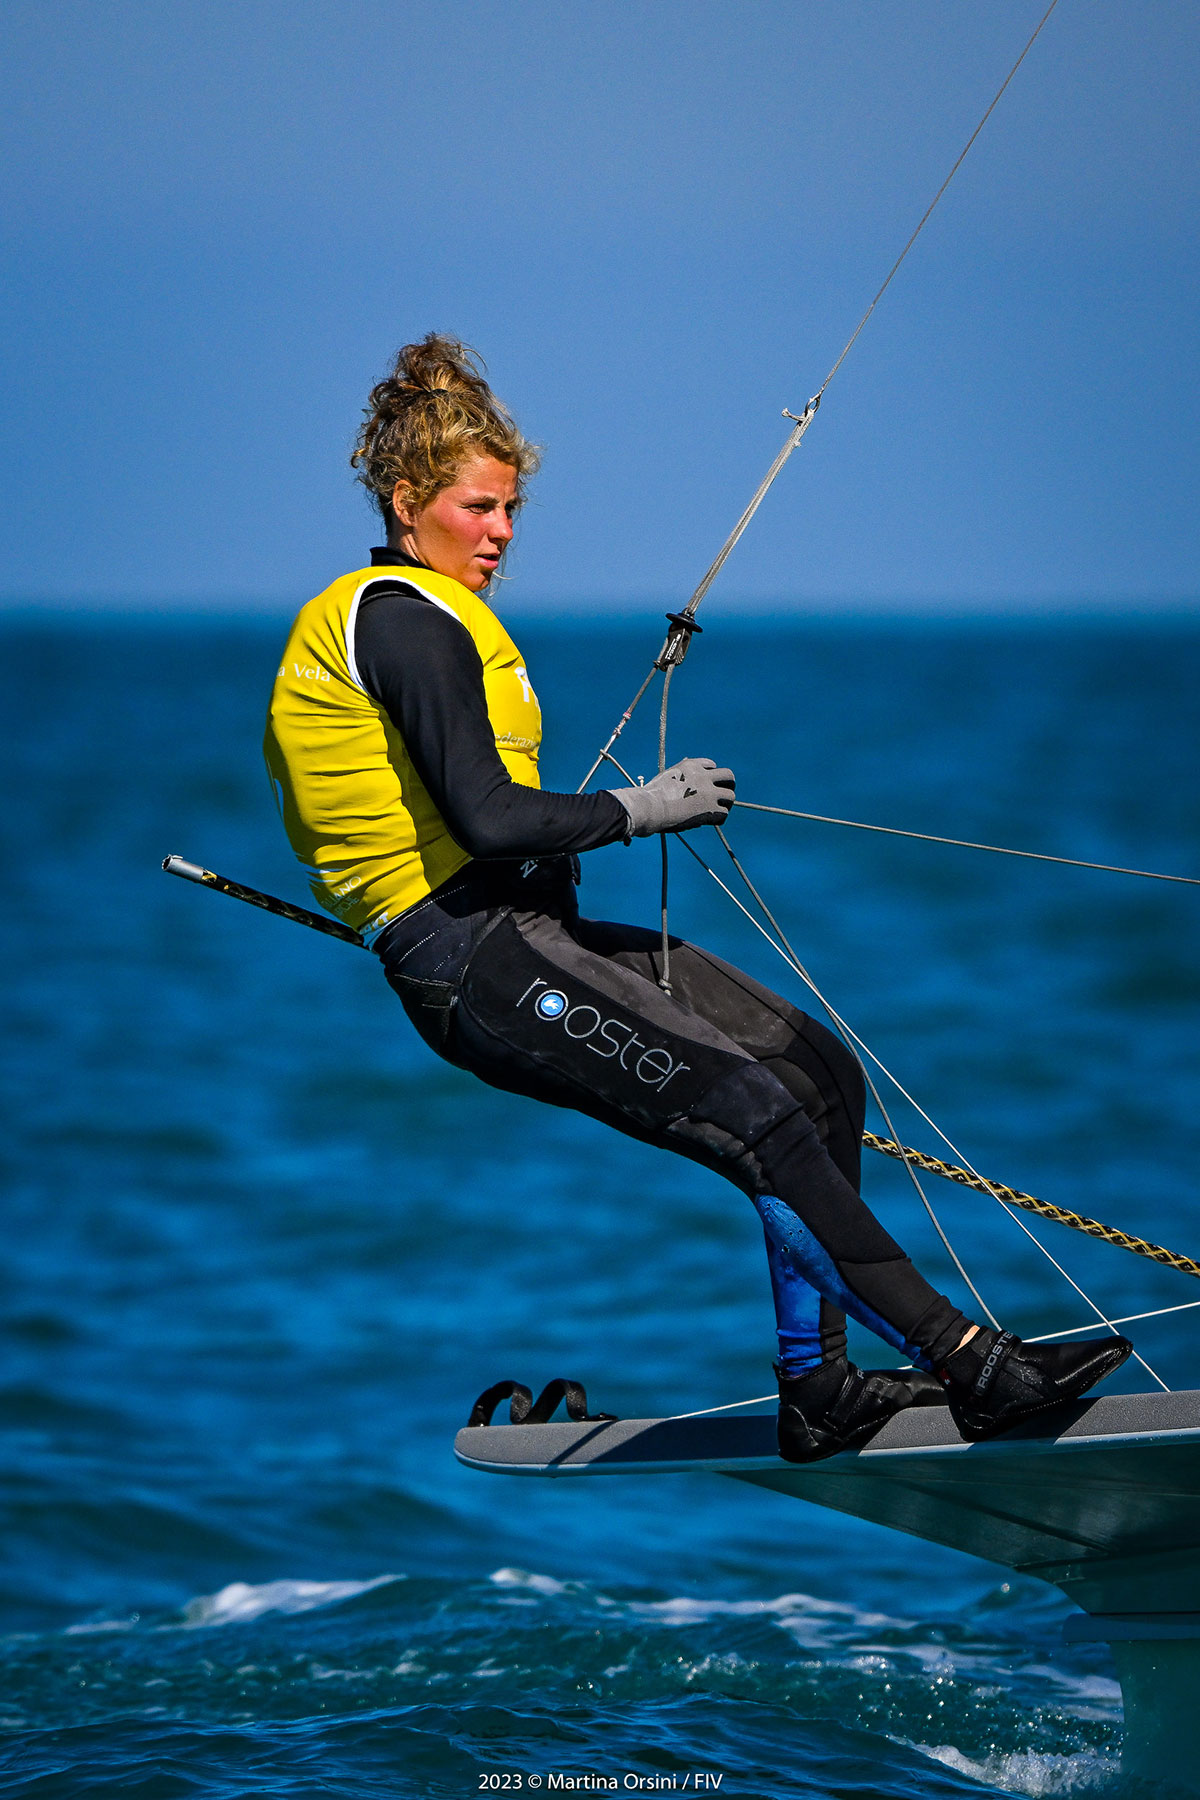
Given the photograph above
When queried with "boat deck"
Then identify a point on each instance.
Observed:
(1104, 1491)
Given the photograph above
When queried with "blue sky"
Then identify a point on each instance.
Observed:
(658, 220)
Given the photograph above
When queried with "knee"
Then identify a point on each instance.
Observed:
(760, 1115)
(842, 1079)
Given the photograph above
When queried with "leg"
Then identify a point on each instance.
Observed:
(540, 1012)
(815, 1067)
(992, 1381)
(523, 1001)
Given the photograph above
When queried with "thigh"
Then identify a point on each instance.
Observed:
(816, 1067)
(540, 1012)
(762, 1022)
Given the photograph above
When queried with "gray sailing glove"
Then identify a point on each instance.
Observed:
(692, 792)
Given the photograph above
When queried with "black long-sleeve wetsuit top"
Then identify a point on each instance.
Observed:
(422, 667)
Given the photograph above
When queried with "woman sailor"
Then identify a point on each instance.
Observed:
(403, 741)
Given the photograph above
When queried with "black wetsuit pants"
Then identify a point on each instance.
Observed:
(501, 976)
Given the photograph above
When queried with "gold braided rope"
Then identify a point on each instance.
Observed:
(933, 1165)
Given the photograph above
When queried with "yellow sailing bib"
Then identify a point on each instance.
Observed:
(356, 813)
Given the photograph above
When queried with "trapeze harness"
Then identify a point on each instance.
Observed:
(402, 741)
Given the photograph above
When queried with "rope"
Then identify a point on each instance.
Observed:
(920, 1159)
(804, 420)
(858, 1044)
(1045, 1209)
(928, 837)
(618, 728)
(851, 1042)
(675, 647)
(682, 626)
(1159, 1312)
(672, 655)
(664, 980)
(929, 209)
(801, 425)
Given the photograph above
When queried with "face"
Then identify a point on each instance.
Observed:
(464, 531)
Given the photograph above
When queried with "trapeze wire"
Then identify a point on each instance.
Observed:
(667, 663)
(847, 1036)
(856, 1042)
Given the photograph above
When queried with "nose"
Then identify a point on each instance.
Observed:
(500, 526)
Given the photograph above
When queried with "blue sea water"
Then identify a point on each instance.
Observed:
(260, 1250)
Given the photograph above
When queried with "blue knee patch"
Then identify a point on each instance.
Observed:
(797, 1311)
(808, 1265)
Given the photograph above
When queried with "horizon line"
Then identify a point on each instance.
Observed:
(546, 608)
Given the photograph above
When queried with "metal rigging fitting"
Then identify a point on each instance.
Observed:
(683, 624)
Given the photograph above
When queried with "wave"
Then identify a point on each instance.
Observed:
(1040, 1776)
(792, 1694)
(242, 1601)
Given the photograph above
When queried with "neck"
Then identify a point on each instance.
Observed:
(406, 552)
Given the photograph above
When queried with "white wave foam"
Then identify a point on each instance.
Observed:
(787, 1610)
(1036, 1774)
(806, 1618)
(242, 1601)
(524, 1578)
(88, 1629)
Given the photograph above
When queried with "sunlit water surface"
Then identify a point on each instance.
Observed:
(260, 1250)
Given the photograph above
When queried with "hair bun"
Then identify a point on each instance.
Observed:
(403, 439)
(441, 365)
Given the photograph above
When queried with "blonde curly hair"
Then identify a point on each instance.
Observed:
(429, 416)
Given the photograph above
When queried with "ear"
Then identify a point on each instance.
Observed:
(402, 504)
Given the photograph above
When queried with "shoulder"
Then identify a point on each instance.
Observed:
(403, 637)
(390, 608)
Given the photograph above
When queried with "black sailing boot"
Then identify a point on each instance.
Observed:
(837, 1406)
(996, 1381)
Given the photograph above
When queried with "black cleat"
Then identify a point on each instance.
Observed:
(996, 1381)
(838, 1407)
